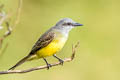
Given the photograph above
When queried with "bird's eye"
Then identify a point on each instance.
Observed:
(68, 23)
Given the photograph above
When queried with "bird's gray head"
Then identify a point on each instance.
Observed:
(66, 24)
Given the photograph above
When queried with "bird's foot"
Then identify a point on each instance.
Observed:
(61, 61)
(48, 66)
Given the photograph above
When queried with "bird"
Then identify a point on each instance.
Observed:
(50, 43)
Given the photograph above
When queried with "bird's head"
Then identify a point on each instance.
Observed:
(67, 24)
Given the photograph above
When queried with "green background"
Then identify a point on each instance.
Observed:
(97, 58)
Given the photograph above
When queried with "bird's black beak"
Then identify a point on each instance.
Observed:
(77, 24)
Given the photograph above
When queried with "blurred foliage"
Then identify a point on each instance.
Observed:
(98, 55)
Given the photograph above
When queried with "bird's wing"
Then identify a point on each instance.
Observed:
(43, 41)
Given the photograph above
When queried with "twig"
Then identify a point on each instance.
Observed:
(18, 14)
(9, 29)
(42, 67)
(4, 17)
(7, 33)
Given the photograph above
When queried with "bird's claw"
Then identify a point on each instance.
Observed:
(61, 61)
(48, 66)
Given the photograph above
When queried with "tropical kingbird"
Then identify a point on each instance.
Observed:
(51, 42)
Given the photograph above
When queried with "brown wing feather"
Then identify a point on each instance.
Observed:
(44, 40)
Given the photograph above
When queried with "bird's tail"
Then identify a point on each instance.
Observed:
(20, 62)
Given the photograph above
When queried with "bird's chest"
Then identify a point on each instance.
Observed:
(56, 45)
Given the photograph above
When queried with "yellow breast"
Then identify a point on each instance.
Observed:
(55, 46)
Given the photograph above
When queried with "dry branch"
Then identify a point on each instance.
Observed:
(9, 29)
(18, 14)
(7, 33)
(42, 67)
